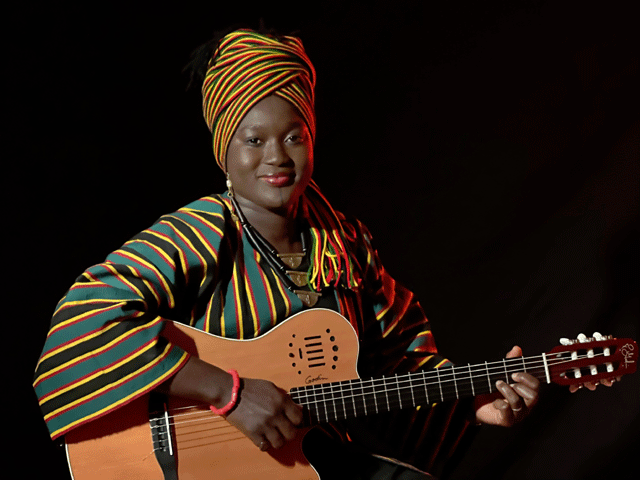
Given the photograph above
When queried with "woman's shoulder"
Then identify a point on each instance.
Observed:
(207, 217)
(214, 204)
(212, 208)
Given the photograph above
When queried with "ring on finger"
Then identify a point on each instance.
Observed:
(264, 445)
(516, 410)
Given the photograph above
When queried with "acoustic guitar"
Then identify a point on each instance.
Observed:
(312, 355)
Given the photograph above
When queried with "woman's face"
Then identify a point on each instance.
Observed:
(270, 157)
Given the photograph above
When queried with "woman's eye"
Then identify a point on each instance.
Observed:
(253, 141)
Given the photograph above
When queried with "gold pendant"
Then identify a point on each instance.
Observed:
(291, 260)
(307, 297)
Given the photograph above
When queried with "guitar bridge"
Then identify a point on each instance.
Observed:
(161, 436)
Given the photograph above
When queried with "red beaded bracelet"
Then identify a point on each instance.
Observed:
(234, 396)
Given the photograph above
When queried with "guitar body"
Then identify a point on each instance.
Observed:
(312, 355)
(312, 347)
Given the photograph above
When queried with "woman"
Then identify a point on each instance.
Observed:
(236, 265)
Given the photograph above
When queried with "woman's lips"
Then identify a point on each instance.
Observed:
(278, 179)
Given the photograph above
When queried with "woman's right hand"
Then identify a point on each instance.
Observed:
(265, 414)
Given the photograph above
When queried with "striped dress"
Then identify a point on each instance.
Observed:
(194, 266)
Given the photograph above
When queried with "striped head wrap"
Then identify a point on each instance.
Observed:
(246, 68)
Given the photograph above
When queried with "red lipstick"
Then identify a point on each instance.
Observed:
(278, 179)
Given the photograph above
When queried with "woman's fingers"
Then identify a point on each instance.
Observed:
(266, 414)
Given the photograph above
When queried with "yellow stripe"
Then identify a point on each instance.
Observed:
(165, 285)
(204, 242)
(269, 290)
(236, 296)
(124, 280)
(252, 305)
(156, 248)
(425, 360)
(73, 344)
(74, 303)
(82, 317)
(167, 238)
(285, 298)
(188, 242)
(223, 330)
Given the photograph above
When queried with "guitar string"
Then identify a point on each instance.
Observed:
(214, 433)
(330, 388)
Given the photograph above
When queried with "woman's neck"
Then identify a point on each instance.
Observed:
(279, 228)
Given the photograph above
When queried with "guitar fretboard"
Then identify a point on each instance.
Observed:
(360, 397)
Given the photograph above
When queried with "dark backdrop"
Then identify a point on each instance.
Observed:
(491, 147)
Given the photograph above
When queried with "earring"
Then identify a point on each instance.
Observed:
(229, 185)
(234, 217)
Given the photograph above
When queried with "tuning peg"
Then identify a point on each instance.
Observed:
(574, 355)
(583, 339)
(606, 351)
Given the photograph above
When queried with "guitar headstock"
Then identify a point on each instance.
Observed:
(583, 360)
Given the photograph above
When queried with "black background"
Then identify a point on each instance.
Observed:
(491, 147)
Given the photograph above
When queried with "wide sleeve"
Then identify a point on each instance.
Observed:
(104, 347)
(396, 337)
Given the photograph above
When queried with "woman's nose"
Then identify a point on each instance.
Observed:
(276, 154)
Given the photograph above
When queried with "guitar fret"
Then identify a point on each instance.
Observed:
(333, 401)
(473, 390)
(364, 402)
(344, 405)
(375, 400)
(413, 398)
(372, 394)
(506, 373)
(386, 393)
(440, 384)
(426, 390)
(399, 393)
(546, 368)
(486, 366)
(355, 409)
(455, 385)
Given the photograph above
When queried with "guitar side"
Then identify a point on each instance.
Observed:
(315, 346)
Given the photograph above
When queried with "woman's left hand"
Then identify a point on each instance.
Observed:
(511, 402)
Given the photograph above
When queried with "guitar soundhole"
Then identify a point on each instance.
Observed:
(314, 352)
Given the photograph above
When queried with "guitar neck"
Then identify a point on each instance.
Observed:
(354, 398)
